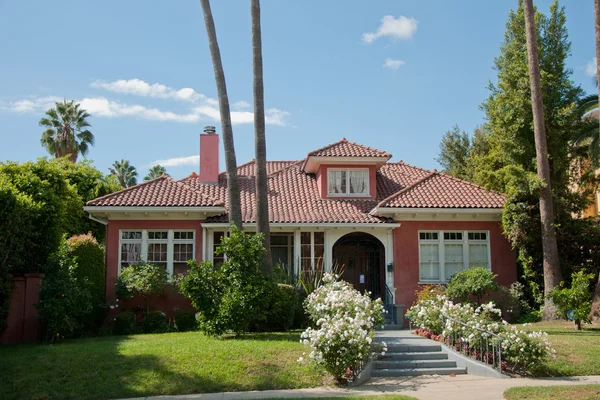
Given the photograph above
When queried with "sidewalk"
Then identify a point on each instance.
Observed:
(424, 388)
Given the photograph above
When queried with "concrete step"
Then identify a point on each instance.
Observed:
(411, 364)
(413, 348)
(389, 372)
(421, 355)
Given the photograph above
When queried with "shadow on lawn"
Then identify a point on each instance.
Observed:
(275, 336)
(92, 369)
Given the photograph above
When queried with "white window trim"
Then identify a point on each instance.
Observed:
(312, 250)
(441, 248)
(146, 241)
(348, 194)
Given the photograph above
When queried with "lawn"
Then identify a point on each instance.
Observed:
(583, 392)
(578, 352)
(150, 365)
(376, 397)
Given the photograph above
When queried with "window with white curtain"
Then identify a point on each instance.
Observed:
(444, 253)
(348, 182)
(131, 248)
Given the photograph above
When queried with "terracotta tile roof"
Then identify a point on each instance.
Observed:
(163, 191)
(293, 198)
(249, 168)
(344, 148)
(438, 190)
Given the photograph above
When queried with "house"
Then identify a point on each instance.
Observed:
(392, 225)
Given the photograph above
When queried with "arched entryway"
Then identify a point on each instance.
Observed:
(363, 258)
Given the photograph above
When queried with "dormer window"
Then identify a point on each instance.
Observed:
(347, 182)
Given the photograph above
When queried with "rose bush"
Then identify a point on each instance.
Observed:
(344, 325)
(521, 350)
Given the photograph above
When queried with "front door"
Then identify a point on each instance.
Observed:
(362, 257)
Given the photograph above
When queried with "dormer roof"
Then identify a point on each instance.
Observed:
(345, 152)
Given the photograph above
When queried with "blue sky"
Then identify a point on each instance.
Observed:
(394, 75)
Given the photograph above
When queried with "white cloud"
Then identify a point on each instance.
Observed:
(139, 87)
(393, 64)
(201, 107)
(590, 67)
(178, 161)
(397, 28)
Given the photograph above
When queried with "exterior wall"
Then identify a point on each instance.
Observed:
(112, 243)
(209, 158)
(322, 180)
(406, 254)
(22, 320)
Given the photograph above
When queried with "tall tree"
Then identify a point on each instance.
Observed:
(597, 30)
(454, 152)
(260, 145)
(552, 273)
(66, 133)
(125, 173)
(233, 188)
(155, 172)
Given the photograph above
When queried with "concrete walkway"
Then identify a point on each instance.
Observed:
(422, 387)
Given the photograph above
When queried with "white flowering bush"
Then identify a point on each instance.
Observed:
(521, 350)
(344, 326)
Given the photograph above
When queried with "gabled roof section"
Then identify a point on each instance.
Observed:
(345, 152)
(344, 148)
(438, 190)
(163, 191)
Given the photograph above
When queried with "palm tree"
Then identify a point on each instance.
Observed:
(155, 172)
(233, 188)
(66, 133)
(125, 173)
(588, 134)
(551, 263)
(260, 146)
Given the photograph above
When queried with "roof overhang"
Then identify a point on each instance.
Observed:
(312, 163)
(105, 213)
(312, 226)
(439, 214)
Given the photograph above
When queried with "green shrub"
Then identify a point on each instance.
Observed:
(429, 292)
(282, 307)
(155, 322)
(575, 302)
(231, 297)
(513, 304)
(142, 279)
(184, 320)
(65, 301)
(125, 323)
(90, 263)
(477, 282)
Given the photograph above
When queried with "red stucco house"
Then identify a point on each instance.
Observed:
(392, 225)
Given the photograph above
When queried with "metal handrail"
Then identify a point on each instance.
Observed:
(496, 346)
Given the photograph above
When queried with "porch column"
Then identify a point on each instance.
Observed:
(389, 258)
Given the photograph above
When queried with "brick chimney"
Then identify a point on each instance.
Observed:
(209, 155)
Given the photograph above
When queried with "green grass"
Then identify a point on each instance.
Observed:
(376, 397)
(583, 392)
(578, 352)
(150, 365)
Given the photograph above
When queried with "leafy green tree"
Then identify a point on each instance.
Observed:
(142, 279)
(454, 152)
(588, 136)
(125, 173)
(477, 282)
(47, 185)
(574, 302)
(510, 164)
(66, 131)
(155, 172)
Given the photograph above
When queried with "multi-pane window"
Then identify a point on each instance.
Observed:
(348, 182)
(157, 247)
(444, 253)
(312, 250)
(167, 248)
(183, 250)
(282, 249)
(131, 247)
(217, 258)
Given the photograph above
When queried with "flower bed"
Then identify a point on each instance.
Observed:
(480, 333)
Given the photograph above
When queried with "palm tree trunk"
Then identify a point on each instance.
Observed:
(260, 146)
(595, 314)
(233, 189)
(551, 264)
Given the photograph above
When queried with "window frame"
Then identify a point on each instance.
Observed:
(145, 242)
(441, 242)
(347, 193)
